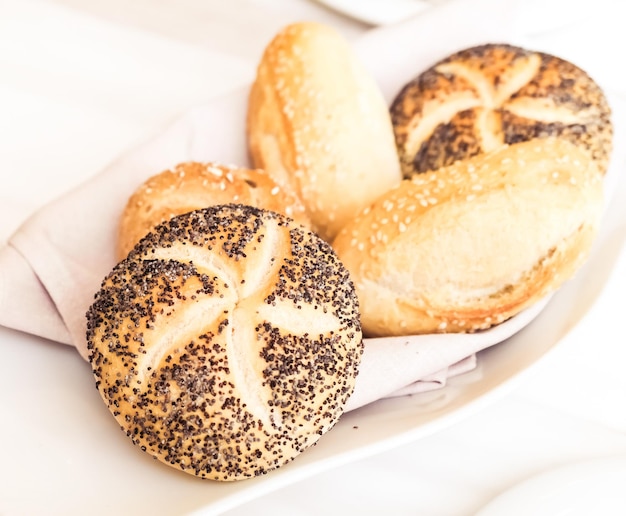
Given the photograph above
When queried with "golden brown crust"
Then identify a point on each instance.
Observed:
(227, 342)
(316, 118)
(193, 185)
(490, 95)
(470, 245)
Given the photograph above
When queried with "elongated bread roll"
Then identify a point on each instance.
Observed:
(316, 118)
(191, 186)
(483, 97)
(227, 342)
(470, 245)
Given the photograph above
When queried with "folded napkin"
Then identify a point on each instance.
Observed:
(55, 262)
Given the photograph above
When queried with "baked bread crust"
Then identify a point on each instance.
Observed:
(227, 342)
(483, 97)
(318, 120)
(193, 185)
(470, 245)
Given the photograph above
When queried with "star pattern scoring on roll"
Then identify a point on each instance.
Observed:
(491, 97)
(242, 289)
(482, 98)
(227, 342)
(244, 293)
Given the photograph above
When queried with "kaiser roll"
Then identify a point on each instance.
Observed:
(483, 97)
(227, 342)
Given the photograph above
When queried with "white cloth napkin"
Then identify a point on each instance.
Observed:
(53, 265)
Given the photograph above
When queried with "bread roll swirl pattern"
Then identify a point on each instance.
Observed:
(483, 97)
(227, 342)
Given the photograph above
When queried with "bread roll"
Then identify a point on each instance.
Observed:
(316, 118)
(227, 342)
(191, 186)
(481, 98)
(472, 244)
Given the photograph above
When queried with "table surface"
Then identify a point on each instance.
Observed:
(81, 81)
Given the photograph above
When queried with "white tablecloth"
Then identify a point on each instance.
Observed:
(81, 81)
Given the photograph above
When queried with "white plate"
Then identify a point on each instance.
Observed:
(591, 487)
(378, 12)
(66, 448)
